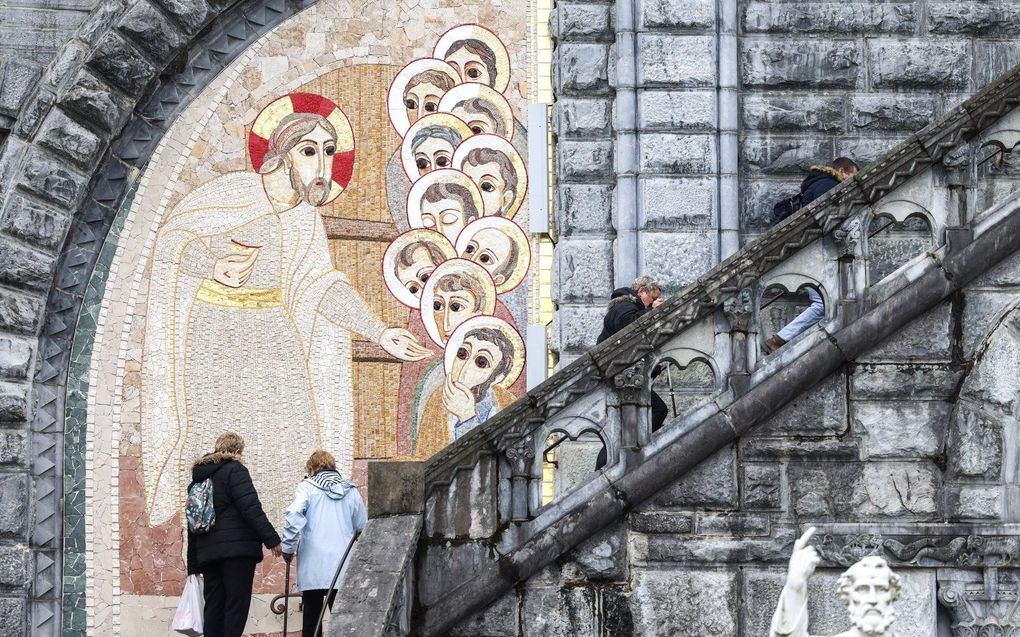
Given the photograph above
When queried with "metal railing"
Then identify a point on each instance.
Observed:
(279, 603)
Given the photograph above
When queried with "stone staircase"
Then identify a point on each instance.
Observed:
(449, 537)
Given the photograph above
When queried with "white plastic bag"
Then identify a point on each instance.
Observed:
(188, 618)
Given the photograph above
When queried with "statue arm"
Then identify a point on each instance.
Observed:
(791, 617)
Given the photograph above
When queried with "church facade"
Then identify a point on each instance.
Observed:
(480, 177)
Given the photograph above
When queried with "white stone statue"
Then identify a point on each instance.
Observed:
(868, 588)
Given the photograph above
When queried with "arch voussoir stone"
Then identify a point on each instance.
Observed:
(78, 135)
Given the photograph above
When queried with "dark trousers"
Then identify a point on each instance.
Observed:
(659, 412)
(227, 596)
(312, 602)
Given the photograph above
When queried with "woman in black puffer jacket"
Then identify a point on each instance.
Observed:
(226, 555)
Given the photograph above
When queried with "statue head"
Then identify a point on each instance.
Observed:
(869, 588)
(303, 144)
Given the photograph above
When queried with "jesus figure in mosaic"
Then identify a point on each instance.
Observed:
(249, 323)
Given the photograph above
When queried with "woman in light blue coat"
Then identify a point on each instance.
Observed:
(326, 512)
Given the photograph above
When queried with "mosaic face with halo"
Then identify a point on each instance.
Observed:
(495, 166)
(457, 290)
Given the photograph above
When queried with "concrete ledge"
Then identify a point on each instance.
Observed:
(373, 590)
(397, 488)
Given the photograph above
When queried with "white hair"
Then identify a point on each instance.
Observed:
(645, 282)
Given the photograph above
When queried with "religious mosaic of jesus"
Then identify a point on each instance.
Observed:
(243, 282)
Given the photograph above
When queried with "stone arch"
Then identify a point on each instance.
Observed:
(983, 471)
(78, 145)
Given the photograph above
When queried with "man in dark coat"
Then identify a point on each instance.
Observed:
(626, 306)
(820, 179)
(226, 555)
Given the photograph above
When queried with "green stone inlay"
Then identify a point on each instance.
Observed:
(75, 414)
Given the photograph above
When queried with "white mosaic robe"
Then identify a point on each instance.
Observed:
(270, 360)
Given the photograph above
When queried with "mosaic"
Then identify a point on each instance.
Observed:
(326, 250)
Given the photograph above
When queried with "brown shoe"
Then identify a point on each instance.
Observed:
(773, 343)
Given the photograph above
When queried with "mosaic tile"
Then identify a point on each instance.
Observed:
(105, 421)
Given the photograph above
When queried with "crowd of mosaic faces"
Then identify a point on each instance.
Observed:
(468, 181)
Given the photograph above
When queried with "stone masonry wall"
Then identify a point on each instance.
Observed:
(907, 448)
(822, 79)
(815, 80)
(583, 131)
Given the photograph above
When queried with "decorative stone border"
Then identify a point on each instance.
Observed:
(83, 133)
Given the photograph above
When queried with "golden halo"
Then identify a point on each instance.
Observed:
(497, 143)
(445, 176)
(395, 96)
(489, 95)
(389, 261)
(513, 232)
(459, 268)
(486, 37)
(441, 120)
(512, 335)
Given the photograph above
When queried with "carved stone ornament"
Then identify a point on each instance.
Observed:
(521, 454)
(958, 158)
(739, 310)
(958, 550)
(631, 381)
(848, 237)
(985, 606)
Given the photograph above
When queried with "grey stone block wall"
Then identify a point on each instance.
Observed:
(583, 76)
(815, 80)
(915, 433)
(823, 79)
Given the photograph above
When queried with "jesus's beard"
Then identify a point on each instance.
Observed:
(315, 193)
(872, 620)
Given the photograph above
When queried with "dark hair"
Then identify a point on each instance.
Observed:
(444, 133)
(480, 156)
(478, 105)
(455, 282)
(440, 191)
(479, 48)
(845, 164)
(406, 255)
(506, 348)
(433, 77)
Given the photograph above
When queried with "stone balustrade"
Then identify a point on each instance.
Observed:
(488, 524)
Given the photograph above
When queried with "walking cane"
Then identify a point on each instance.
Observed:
(669, 377)
(286, 597)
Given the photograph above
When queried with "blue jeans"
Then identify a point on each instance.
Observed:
(807, 318)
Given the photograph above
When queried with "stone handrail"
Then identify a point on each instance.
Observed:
(932, 145)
